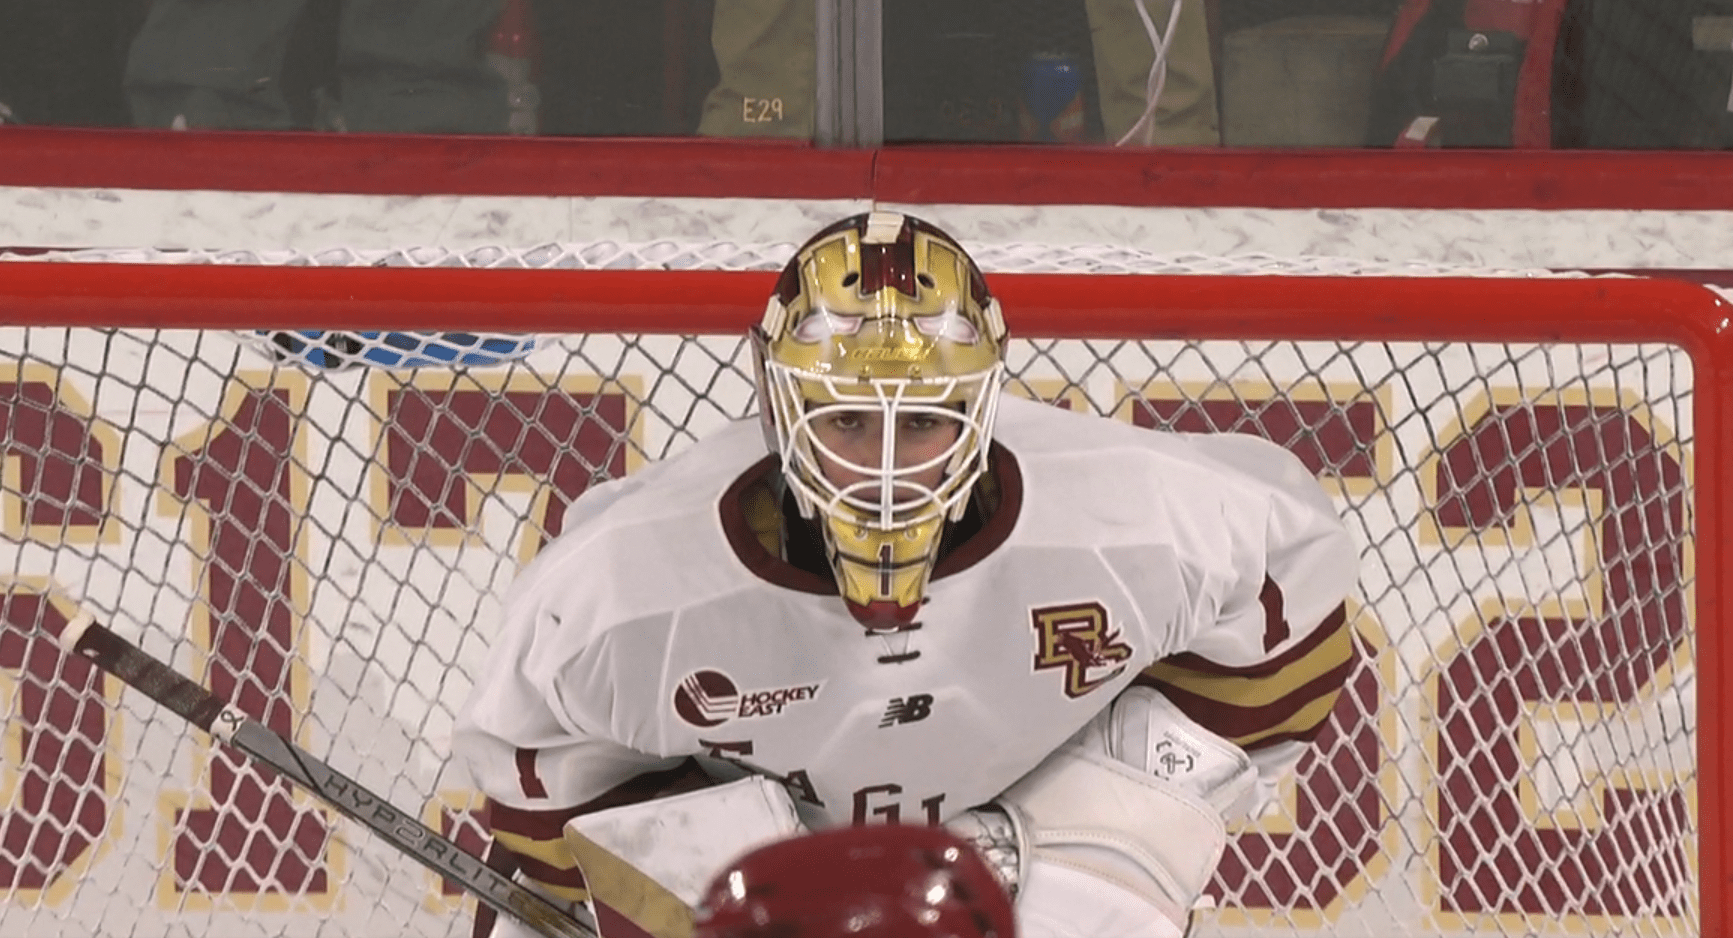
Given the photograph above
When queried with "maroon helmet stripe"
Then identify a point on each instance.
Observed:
(788, 285)
(889, 265)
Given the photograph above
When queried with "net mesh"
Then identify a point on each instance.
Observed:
(329, 547)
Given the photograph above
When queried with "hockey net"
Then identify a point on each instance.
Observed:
(228, 458)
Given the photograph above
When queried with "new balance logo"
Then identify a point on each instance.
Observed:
(910, 709)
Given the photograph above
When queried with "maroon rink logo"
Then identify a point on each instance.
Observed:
(707, 698)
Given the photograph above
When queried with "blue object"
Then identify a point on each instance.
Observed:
(1052, 98)
(319, 348)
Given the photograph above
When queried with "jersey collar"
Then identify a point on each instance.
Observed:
(754, 492)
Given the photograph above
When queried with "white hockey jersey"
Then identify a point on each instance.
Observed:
(658, 626)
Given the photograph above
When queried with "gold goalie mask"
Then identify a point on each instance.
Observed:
(879, 364)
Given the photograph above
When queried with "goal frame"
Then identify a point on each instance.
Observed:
(1577, 310)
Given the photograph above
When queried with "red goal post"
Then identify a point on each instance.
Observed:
(1505, 763)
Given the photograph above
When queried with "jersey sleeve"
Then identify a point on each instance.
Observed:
(1266, 666)
(541, 750)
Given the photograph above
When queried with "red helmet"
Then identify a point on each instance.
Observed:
(879, 881)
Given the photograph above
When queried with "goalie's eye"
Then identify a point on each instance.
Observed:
(843, 421)
(822, 324)
(924, 423)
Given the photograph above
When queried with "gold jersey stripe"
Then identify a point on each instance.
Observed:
(1292, 702)
(544, 850)
(1242, 689)
(1307, 735)
(1297, 715)
(1303, 725)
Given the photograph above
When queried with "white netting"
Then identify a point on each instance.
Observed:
(331, 546)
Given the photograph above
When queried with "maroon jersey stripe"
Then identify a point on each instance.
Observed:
(1238, 722)
(1326, 630)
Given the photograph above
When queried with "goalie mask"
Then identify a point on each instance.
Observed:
(879, 364)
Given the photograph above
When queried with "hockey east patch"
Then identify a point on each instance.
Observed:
(707, 698)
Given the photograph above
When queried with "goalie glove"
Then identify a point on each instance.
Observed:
(1144, 730)
(1137, 799)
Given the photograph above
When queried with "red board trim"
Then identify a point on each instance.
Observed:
(368, 164)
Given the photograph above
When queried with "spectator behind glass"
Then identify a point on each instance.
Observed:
(60, 61)
(401, 66)
(765, 54)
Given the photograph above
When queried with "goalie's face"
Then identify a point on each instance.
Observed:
(879, 364)
(891, 465)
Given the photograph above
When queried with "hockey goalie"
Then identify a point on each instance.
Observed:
(1080, 645)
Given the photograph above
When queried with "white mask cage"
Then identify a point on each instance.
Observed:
(885, 496)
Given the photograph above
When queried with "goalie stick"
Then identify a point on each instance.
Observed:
(87, 639)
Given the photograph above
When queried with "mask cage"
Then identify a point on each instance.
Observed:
(886, 498)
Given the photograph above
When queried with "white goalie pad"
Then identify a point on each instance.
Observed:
(1086, 812)
(1146, 732)
(1139, 799)
(634, 854)
(1059, 902)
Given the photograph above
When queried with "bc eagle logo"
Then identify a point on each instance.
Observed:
(1077, 638)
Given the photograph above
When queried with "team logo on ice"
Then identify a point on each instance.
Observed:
(1076, 638)
(710, 698)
